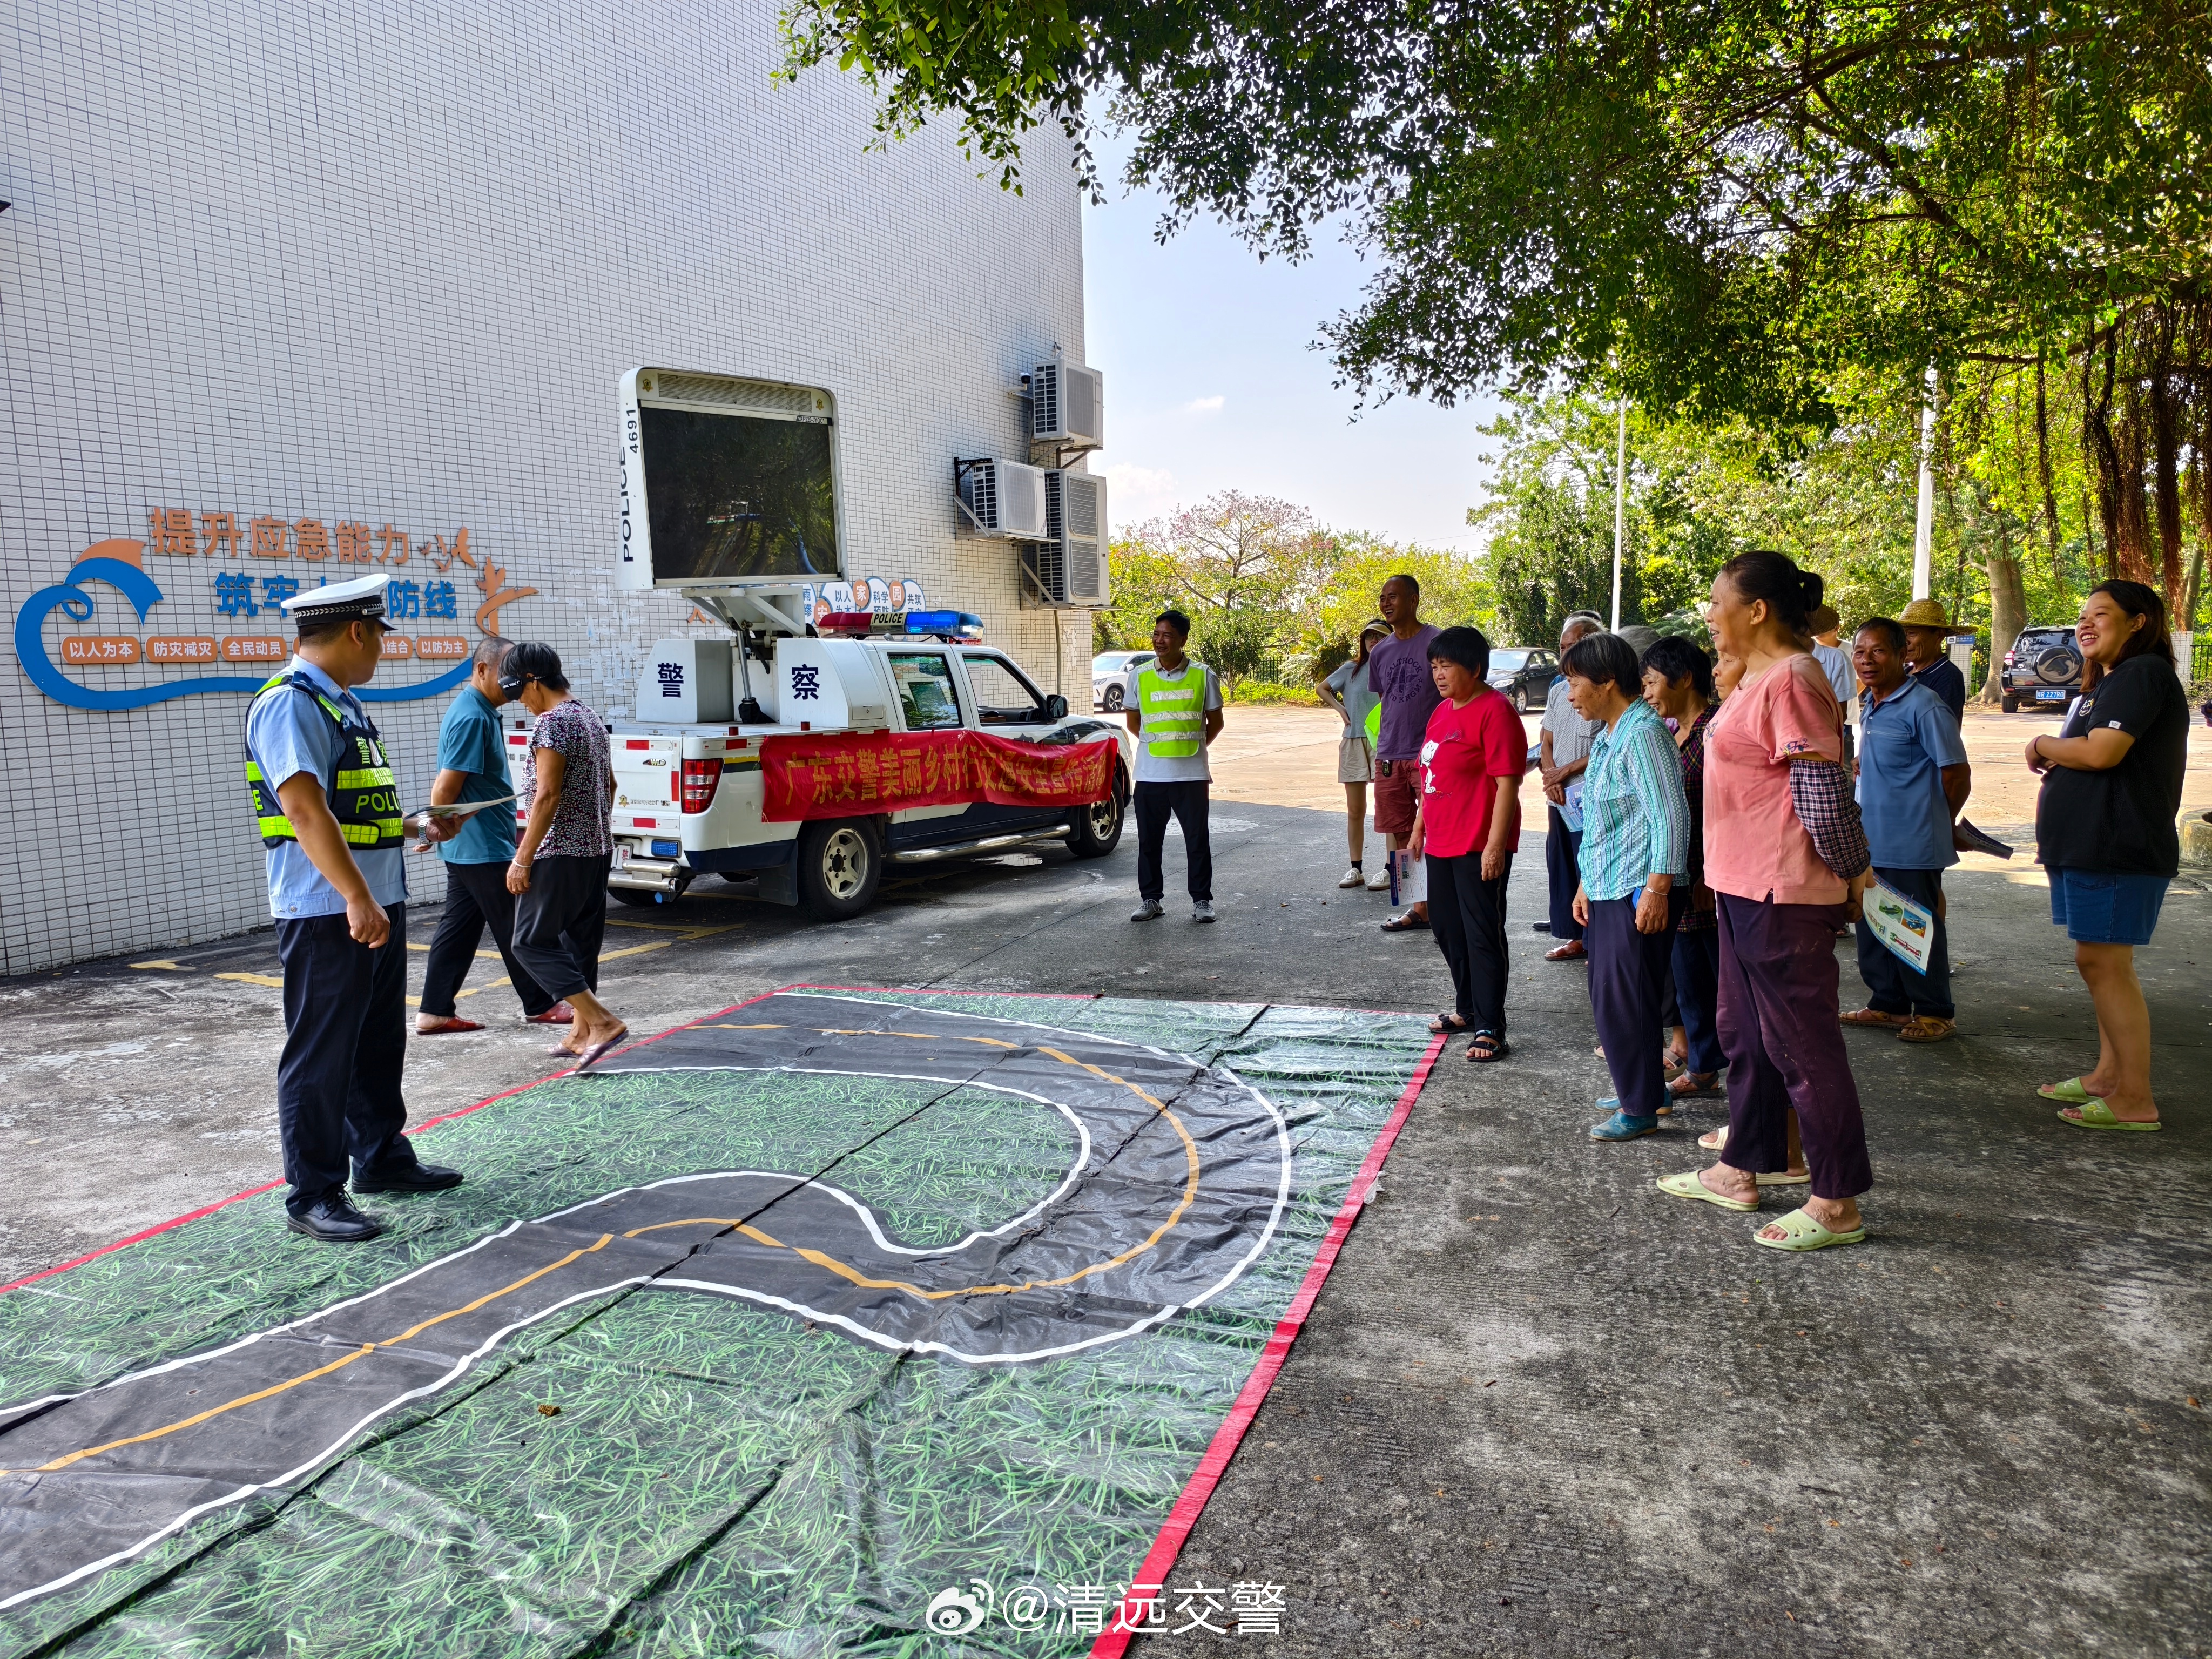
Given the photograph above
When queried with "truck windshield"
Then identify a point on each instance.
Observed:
(924, 688)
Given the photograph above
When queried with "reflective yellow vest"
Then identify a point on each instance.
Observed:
(1174, 711)
(364, 798)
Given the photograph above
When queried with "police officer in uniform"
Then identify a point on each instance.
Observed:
(329, 814)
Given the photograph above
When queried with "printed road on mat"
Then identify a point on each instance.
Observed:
(1179, 1178)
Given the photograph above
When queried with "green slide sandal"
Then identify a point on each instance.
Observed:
(1801, 1232)
(1686, 1185)
(2071, 1092)
(2095, 1115)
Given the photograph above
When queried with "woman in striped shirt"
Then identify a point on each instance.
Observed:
(1635, 853)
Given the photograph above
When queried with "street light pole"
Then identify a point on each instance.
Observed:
(1923, 525)
(1620, 506)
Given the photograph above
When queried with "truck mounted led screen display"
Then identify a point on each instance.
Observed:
(738, 497)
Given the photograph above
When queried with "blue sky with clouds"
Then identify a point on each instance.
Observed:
(1213, 383)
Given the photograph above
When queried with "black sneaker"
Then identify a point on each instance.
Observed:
(407, 1178)
(334, 1221)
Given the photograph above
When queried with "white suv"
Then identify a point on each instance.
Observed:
(1108, 669)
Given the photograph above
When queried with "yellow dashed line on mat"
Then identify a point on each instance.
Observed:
(364, 1350)
(818, 1258)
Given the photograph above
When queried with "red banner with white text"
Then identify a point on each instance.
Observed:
(851, 774)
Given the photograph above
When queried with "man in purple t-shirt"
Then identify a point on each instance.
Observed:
(1398, 673)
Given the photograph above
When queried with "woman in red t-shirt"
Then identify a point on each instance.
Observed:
(1466, 824)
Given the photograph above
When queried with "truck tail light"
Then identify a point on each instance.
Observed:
(701, 779)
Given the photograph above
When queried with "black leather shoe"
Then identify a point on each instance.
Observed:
(408, 1178)
(334, 1221)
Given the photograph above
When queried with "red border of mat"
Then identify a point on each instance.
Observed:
(1169, 1543)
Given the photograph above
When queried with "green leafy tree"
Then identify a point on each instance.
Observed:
(1729, 210)
(1242, 567)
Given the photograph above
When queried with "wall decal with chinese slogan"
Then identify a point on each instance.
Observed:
(223, 579)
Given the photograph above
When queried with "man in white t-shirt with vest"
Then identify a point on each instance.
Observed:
(1175, 711)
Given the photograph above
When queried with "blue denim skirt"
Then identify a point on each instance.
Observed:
(2105, 906)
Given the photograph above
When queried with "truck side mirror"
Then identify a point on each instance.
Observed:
(1055, 706)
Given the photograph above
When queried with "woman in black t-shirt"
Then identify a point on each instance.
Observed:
(2104, 832)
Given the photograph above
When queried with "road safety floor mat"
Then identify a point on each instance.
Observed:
(845, 1321)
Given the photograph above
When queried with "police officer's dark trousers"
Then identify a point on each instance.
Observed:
(345, 1045)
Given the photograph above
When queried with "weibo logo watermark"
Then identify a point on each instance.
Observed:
(1247, 1607)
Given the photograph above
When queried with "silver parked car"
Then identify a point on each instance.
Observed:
(1108, 669)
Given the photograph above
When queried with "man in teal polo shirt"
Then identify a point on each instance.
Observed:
(472, 766)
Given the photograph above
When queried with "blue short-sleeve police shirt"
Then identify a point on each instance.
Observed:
(470, 742)
(288, 733)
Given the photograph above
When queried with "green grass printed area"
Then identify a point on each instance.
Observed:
(718, 1480)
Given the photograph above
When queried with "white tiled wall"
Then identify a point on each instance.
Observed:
(383, 263)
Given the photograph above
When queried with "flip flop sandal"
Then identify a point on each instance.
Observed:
(2095, 1115)
(1449, 1023)
(1926, 1027)
(1714, 1140)
(1697, 1090)
(1409, 923)
(561, 1051)
(450, 1028)
(1875, 1016)
(598, 1050)
(1496, 1049)
(1800, 1233)
(2071, 1092)
(1802, 1178)
(559, 1014)
(1686, 1185)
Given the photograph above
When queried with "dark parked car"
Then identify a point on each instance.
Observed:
(2042, 669)
(1524, 676)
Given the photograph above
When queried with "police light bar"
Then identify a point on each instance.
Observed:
(947, 624)
(845, 622)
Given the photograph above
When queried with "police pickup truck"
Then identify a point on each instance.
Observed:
(688, 781)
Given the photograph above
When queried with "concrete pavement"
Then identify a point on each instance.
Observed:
(1540, 1409)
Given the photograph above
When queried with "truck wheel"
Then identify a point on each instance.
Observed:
(635, 896)
(1097, 826)
(2009, 704)
(839, 866)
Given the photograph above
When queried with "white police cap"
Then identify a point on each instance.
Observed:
(360, 599)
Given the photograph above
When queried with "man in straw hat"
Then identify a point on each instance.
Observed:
(1927, 630)
(328, 812)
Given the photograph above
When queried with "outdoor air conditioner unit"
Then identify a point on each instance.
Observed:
(1003, 498)
(1067, 405)
(1067, 570)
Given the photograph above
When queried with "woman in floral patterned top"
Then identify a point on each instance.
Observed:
(1678, 681)
(559, 875)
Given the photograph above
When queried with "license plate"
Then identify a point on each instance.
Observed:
(2050, 696)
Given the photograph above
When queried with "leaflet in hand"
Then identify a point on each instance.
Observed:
(1905, 929)
(1971, 839)
(458, 809)
(1570, 809)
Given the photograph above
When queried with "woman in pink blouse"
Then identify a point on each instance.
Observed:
(1786, 860)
